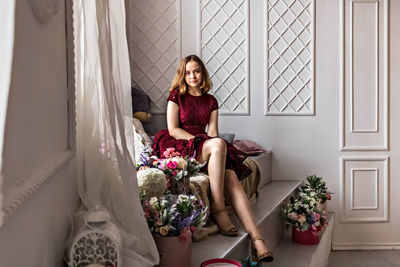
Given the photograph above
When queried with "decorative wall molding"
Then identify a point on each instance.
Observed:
(33, 183)
(364, 120)
(374, 77)
(365, 214)
(155, 47)
(354, 188)
(224, 47)
(289, 63)
(44, 10)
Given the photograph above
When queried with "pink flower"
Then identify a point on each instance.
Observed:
(141, 168)
(185, 235)
(292, 216)
(329, 196)
(193, 229)
(172, 165)
(170, 152)
(316, 216)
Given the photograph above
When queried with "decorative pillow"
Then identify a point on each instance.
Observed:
(248, 147)
(228, 137)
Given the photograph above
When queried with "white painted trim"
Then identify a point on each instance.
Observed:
(366, 246)
(34, 182)
(351, 63)
(375, 207)
(342, 82)
(265, 57)
(385, 91)
(199, 43)
(179, 35)
(312, 70)
(385, 190)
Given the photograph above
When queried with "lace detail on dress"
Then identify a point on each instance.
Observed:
(174, 96)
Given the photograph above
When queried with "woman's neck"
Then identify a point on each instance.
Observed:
(195, 91)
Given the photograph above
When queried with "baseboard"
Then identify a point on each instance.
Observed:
(369, 246)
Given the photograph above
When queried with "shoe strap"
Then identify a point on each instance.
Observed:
(258, 238)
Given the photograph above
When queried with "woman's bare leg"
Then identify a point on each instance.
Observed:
(242, 208)
(214, 152)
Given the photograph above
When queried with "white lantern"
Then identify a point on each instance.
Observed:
(98, 243)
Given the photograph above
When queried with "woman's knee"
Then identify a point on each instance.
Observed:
(217, 145)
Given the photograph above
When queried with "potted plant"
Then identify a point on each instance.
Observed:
(173, 219)
(306, 216)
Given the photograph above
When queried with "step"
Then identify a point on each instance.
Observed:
(264, 165)
(292, 254)
(267, 214)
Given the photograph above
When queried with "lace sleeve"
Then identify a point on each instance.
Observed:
(174, 96)
(214, 103)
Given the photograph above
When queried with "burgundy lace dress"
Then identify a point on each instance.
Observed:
(194, 115)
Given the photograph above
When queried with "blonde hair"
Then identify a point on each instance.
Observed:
(179, 80)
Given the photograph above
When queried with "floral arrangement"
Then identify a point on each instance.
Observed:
(173, 165)
(175, 215)
(305, 211)
(319, 187)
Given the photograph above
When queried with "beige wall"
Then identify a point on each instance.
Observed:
(39, 167)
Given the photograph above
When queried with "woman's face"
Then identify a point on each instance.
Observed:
(193, 75)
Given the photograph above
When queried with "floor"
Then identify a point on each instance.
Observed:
(364, 258)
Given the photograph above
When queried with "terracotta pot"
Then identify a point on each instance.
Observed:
(307, 237)
(173, 252)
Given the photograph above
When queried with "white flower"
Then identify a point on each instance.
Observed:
(152, 181)
(182, 164)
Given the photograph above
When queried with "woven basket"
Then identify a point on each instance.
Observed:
(181, 186)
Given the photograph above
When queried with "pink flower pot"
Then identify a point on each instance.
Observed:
(173, 252)
(307, 237)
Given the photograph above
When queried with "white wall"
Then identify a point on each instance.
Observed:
(37, 145)
(313, 143)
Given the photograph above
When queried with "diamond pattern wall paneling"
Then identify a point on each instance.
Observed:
(224, 49)
(290, 57)
(155, 47)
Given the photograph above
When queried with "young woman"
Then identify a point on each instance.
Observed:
(190, 110)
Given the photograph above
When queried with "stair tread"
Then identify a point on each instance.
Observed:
(292, 254)
(218, 246)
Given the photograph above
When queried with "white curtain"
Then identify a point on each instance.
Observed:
(106, 170)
